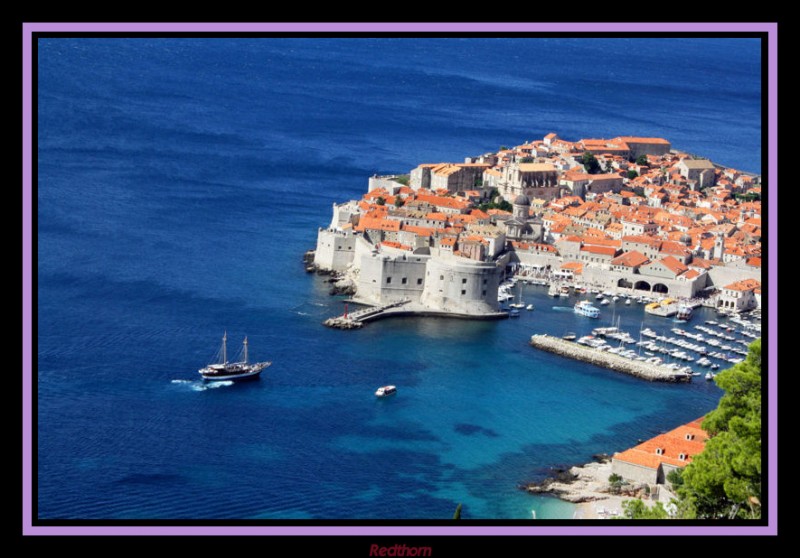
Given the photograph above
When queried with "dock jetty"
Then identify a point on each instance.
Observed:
(357, 319)
(644, 370)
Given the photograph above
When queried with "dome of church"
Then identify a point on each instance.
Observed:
(521, 200)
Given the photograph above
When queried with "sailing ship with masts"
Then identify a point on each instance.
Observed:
(239, 370)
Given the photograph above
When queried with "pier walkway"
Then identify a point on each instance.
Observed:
(357, 319)
(645, 370)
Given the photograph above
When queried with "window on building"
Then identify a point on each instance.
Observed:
(388, 280)
(404, 280)
(441, 278)
(682, 457)
(419, 281)
(483, 292)
(463, 291)
(659, 451)
(690, 436)
(464, 281)
(484, 281)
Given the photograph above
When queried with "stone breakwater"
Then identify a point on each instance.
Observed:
(644, 370)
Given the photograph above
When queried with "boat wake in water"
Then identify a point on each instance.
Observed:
(196, 385)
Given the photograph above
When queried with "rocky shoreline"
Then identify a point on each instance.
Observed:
(588, 486)
(341, 282)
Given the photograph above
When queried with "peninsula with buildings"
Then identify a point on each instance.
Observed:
(629, 215)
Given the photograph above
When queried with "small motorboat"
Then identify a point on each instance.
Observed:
(604, 302)
(529, 307)
(709, 376)
(386, 390)
(569, 336)
(513, 313)
(628, 301)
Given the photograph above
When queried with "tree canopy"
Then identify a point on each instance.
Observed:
(636, 509)
(724, 481)
(380, 201)
(641, 160)
(590, 163)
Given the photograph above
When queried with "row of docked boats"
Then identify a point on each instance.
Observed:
(655, 339)
(600, 344)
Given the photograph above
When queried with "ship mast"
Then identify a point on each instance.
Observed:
(245, 350)
(224, 347)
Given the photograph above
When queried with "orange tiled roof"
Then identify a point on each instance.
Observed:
(688, 439)
(377, 224)
(577, 267)
(630, 259)
(691, 274)
(744, 285)
(673, 265)
(392, 244)
(604, 250)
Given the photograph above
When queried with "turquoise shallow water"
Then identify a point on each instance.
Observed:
(179, 184)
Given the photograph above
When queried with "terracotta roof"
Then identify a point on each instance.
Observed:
(377, 224)
(630, 259)
(436, 216)
(687, 440)
(536, 167)
(594, 241)
(605, 250)
(744, 285)
(419, 231)
(392, 244)
(577, 267)
(634, 139)
(673, 265)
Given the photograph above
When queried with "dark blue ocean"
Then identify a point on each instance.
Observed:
(180, 183)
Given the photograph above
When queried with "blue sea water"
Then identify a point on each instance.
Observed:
(180, 182)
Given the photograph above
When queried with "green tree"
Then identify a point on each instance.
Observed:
(675, 477)
(636, 509)
(590, 163)
(724, 480)
(398, 201)
(503, 147)
(457, 515)
(641, 160)
(632, 174)
(402, 179)
(616, 482)
(380, 201)
(526, 160)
